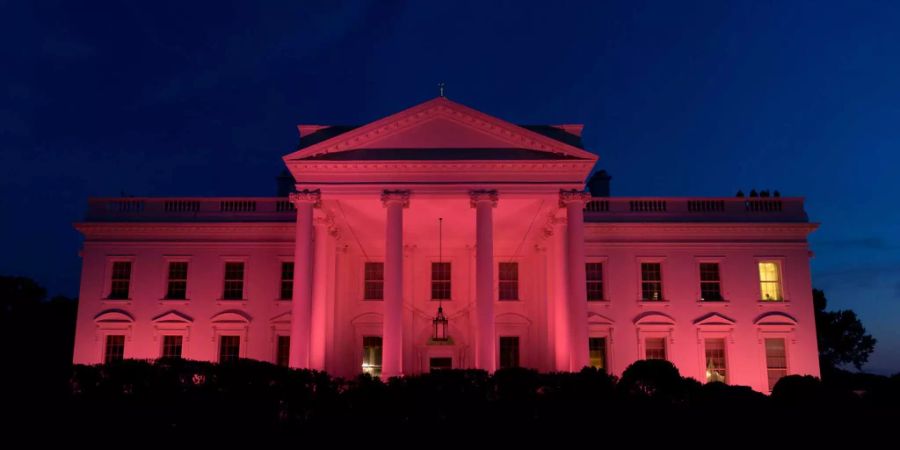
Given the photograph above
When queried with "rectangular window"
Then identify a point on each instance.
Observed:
(283, 351)
(710, 283)
(176, 288)
(440, 281)
(509, 281)
(770, 281)
(509, 352)
(594, 275)
(715, 360)
(171, 347)
(121, 280)
(651, 282)
(655, 348)
(374, 281)
(776, 360)
(371, 363)
(229, 348)
(597, 349)
(115, 349)
(234, 281)
(287, 281)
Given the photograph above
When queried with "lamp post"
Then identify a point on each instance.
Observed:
(440, 322)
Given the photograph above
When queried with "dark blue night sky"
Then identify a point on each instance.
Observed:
(185, 98)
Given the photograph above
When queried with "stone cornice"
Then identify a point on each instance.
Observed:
(174, 231)
(420, 166)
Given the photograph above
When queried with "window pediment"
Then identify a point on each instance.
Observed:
(231, 316)
(654, 319)
(173, 317)
(775, 319)
(114, 316)
(714, 320)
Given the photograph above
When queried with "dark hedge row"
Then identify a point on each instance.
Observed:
(173, 395)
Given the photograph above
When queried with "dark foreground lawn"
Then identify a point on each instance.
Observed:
(173, 400)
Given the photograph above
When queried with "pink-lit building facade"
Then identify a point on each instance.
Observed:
(443, 206)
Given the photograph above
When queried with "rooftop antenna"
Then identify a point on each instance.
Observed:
(441, 86)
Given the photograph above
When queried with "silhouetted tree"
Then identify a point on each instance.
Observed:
(842, 336)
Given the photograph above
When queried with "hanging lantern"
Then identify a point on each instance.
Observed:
(440, 326)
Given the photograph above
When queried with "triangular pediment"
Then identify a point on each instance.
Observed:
(714, 320)
(173, 317)
(437, 129)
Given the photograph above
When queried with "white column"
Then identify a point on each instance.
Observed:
(574, 202)
(392, 334)
(324, 243)
(484, 203)
(304, 201)
(561, 349)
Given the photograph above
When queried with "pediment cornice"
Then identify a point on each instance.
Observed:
(440, 109)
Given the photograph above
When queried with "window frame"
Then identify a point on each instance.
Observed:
(720, 261)
(725, 356)
(516, 283)
(108, 276)
(605, 352)
(654, 336)
(224, 270)
(603, 282)
(277, 355)
(162, 344)
(782, 282)
(784, 337)
(219, 344)
(105, 347)
(376, 369)
(281, 280)
(518, 354)
(168, 261)
(366, 281)
(449, 281)
(664, 298)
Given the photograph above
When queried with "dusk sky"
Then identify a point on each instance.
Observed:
(677, 98)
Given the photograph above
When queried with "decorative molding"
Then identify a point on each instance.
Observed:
(573, 196)
(399, 196)
(483, 195)
(440, 107)
(313, 196)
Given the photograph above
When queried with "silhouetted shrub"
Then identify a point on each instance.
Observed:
(799, 391)
(655, 379)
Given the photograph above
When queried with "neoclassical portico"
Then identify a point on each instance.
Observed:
(308, 328)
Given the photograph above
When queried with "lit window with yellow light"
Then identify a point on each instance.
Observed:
(770, 281)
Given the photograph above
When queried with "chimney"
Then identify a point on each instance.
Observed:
(598, 184)
(284, 183)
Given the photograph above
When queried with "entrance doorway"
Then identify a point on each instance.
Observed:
(442, 363)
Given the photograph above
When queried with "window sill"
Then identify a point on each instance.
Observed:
(603, 303)
(509, 300)
(713, 303)
(117, 301)
(223, 301)
(174, 301)
(368, 300)
(441, 300)
(664, 303)
(773, 303)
